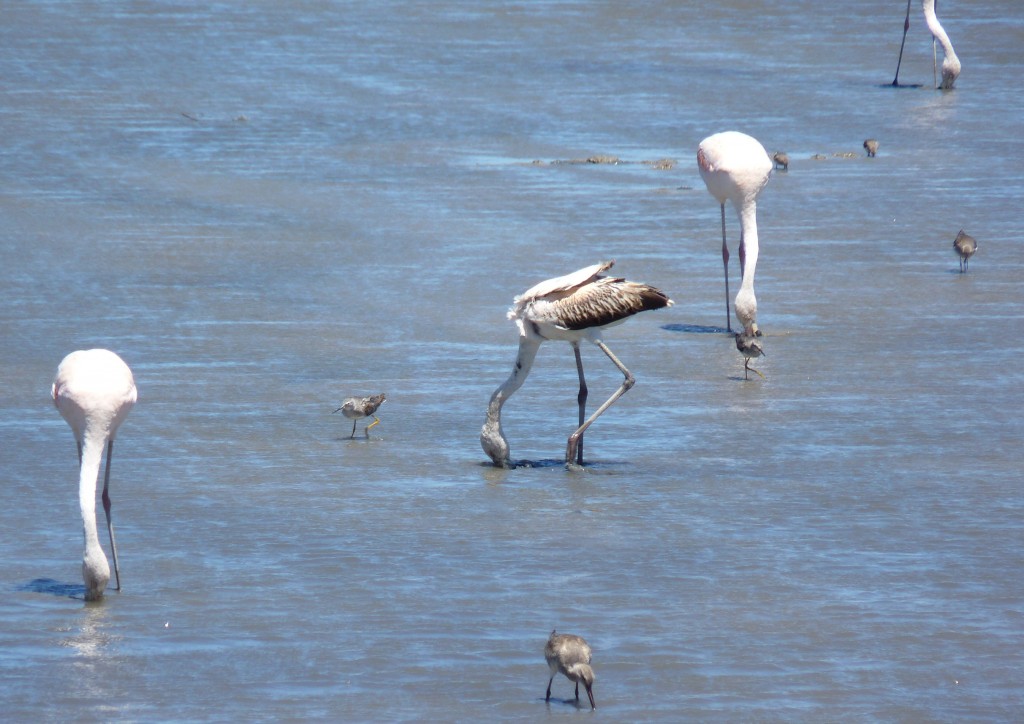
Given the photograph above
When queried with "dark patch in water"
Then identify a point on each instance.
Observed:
(54, 588)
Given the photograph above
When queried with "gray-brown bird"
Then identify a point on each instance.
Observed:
(751, 348)
(569, 655)
(964, 245)
(781, 160)
(356, 408)
(871, 146)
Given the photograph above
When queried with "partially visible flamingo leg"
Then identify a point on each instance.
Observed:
(574, 439)
(725, 265)
(906, 27)
(581, 399)
(106, 509)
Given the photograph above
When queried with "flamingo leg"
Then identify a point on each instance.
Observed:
(106, 509)
(581, 399)
(627, 383)
(725, 266)
(906, 27)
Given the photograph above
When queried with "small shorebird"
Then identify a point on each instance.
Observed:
(751, 348)
(570, 655)
(965, 246)
(781, 159)
(570, 308)
(871, 146)
(356, 408)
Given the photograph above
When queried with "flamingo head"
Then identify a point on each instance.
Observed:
(746, 310)
(950, 72)
(493, 441)
(95, 573)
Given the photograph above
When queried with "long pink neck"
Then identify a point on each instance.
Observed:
(748, 225)
(88, 474)
(951, 63)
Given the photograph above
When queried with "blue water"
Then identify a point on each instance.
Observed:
(267, 207)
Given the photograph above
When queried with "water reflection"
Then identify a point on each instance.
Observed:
(92, 637)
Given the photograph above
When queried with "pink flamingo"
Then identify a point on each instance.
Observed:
(950, 63)
(94, 391)
(735, 167)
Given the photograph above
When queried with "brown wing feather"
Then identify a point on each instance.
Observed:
(608, 300)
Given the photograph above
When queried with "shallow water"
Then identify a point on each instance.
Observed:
(265, 208)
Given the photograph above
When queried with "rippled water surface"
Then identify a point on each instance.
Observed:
(265, 207)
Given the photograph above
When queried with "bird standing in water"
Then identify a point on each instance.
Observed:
(950, 62)
(569, 655)
(735, 167)
(356, 408)
(570, 308)
(750, 347)
(871, 146)
(964, 245)
(94, 390)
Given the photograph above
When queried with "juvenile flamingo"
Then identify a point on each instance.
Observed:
(570, 308)
(94, 390)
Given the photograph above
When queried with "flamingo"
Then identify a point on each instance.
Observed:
(950, 63)
(570, 308)
(94, 390)
(964, 245)
(356, 408)
(736, 167)
(570, 655)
